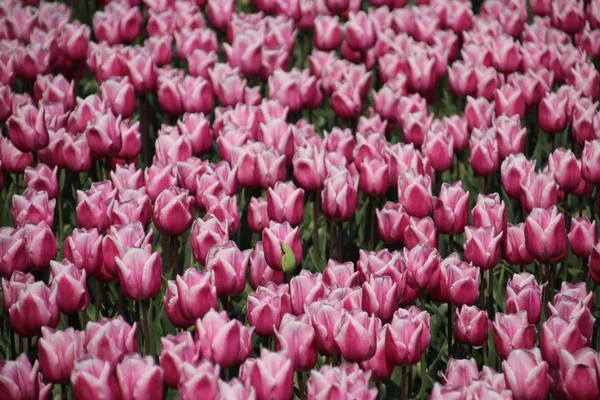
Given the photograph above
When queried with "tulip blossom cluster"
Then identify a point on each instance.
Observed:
(308, 199)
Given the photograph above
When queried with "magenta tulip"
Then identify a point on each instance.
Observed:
(545, 235)
(34, 308)
(512, 331)
(58, 351)
(408, 336)
(271, 375)
(472, 326)
(526, 374)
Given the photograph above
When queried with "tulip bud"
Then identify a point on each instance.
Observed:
(526, 374)
(223, 341)
(450, 209)
(173, 211)
(524, 293)
(297, 336)
(472, 326)
(33, 207)
(414, 193)
(484, 158)
(512, 331)
(140, 273)
(175, 351)
(20, 380)
(578, 374)
(57, 351)
(582, 236)
(72, 293)
(459, 281)
(408, 336)
(545, 235)
(34, 308)
(590, 159)
(27, 128)
(353, 324)
(482, 246)
(110, 340)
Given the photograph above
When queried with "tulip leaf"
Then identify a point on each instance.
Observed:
(288, 260)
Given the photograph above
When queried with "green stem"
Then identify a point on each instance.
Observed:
(340, 242)
(373, 204)
(97, 304)
(63, 392)
(300, 378)
(144, 128)
(450, 310)
(316, 211)
(174, 245)
(490, 289)
(146, 328)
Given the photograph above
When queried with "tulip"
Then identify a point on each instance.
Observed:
(70, 282)
(484, 158)
(325, 316)
(515, 171)
(12, 288)
(175, 351)
(462, 78)
(266, 306)
(459, 281)
(297, 336)
(582, 236)
(423, 264)
(282, 246)
(439, 148)
(159, 177)
(482, 246)
(526, 374)
(545, 235)
(140, 273)
(223, 341)
(578, 374)
(346, 101)
(512, 331)
(271, 375)
(27, 128)
(460, 372)
(82, 248)
(258, 218)
(139, 378)
(173, 211)
(206, 233)
(342, 275)
(415, 126)
(340, 140)
(574, 310)
(539, 190)
(392, 221)
(374, 178)
(559, 334)
(91, 210)
(309, 168)
(235, 390)
(110, 340)
(305, 289)
(408, 336)
(594, 263)
(490, 210)
(450, 209)
(524, 293)
(229, 265)
(479, 113)
(199, 379)
(260, 168)
(552, 113)
(40, 243)
(510, 136)
(340, 196)
(590, 157)
(414, 194)
(93, 378)
(77, 153)
(104, 135)
(472, 326)
(57, 351)
(142, 72)
(328, 33)
(20, 380)
(329, 381)
(260, 272)
(285, 203)
(353, 325)
(34, 308)
(566, 169)
(34, 207)
(13, 160)
(576, 291)
(379, 365)
(190, 297)
(117, 23)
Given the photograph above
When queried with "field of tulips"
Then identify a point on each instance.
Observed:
(299, 199)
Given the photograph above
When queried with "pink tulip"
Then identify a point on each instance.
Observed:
(13, 160)
(484, 158)
(510, 136)
(27, 128)
(582, 236)
(330, 382)
(479, 113)
(539, 190)
(259, 168)
(110, 340)
(482, 246)
(297, 336)
(392, 221)
(31, 60)
(245, 53)
(34, 308)
(423, 263)
(374, 178)
(552, 113)
(173, 211)
(342, 275)
(545, 235)
(159, 177)
(117, 23)
(258, 218)
(305, 289)
(225, 209)
(72, 293)
(490, 210)
(472, 326)
(223, 341)
(119, 96)
(137, 376)
(140, 273)
(462, 78)
(358, 31)
(512, 331)
(590, 157)
(346, 101)
(176, 350)
(459, 281)
(566, 169)
(220, 13)
(94, 378)
(20, 380)
(83, 248)
(439, 148)
(229, 265)
(142, 72)
(460, 372)
(515, 171)
(514, 250)
(104, 135)
(325, 316)
(91, 209)
(524, 293)
(415, 126)
(271, 375)
(309, 168)
(328, 33)
(40, 242)
(207, 232)
(235, 390)
(340, 140)
(12, 288)
(576, 311)
(353, 325)
(558, 334)
(190, 297)
(273, 238)
(578, 374)
(450, 209)
(55, 89)
(197, 129)
(57, 351)
(408, 336)
(526, 374)
(285, 203)
(414, 193)
(198, 379)
(260, 272)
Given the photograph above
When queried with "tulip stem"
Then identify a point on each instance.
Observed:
(225, 302)
(331, 241)
(63, 392)
(373, 204)
(491, 292)
(485, 184)
(410, 382)
(144, 127)
(403, 383)
(84, 319)
(11, 335)
(316, 242)
(566, 211)
(174, 245)
(550, 279)
(450, 309)
(598, 200)
(300, 379)
(59, 205)
(21, 345)
(450, 244)
(144, 305)
(97, 304)
(340, 241)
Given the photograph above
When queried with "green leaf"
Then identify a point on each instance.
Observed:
(288, 260)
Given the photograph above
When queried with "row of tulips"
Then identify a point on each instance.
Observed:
(226, 200)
